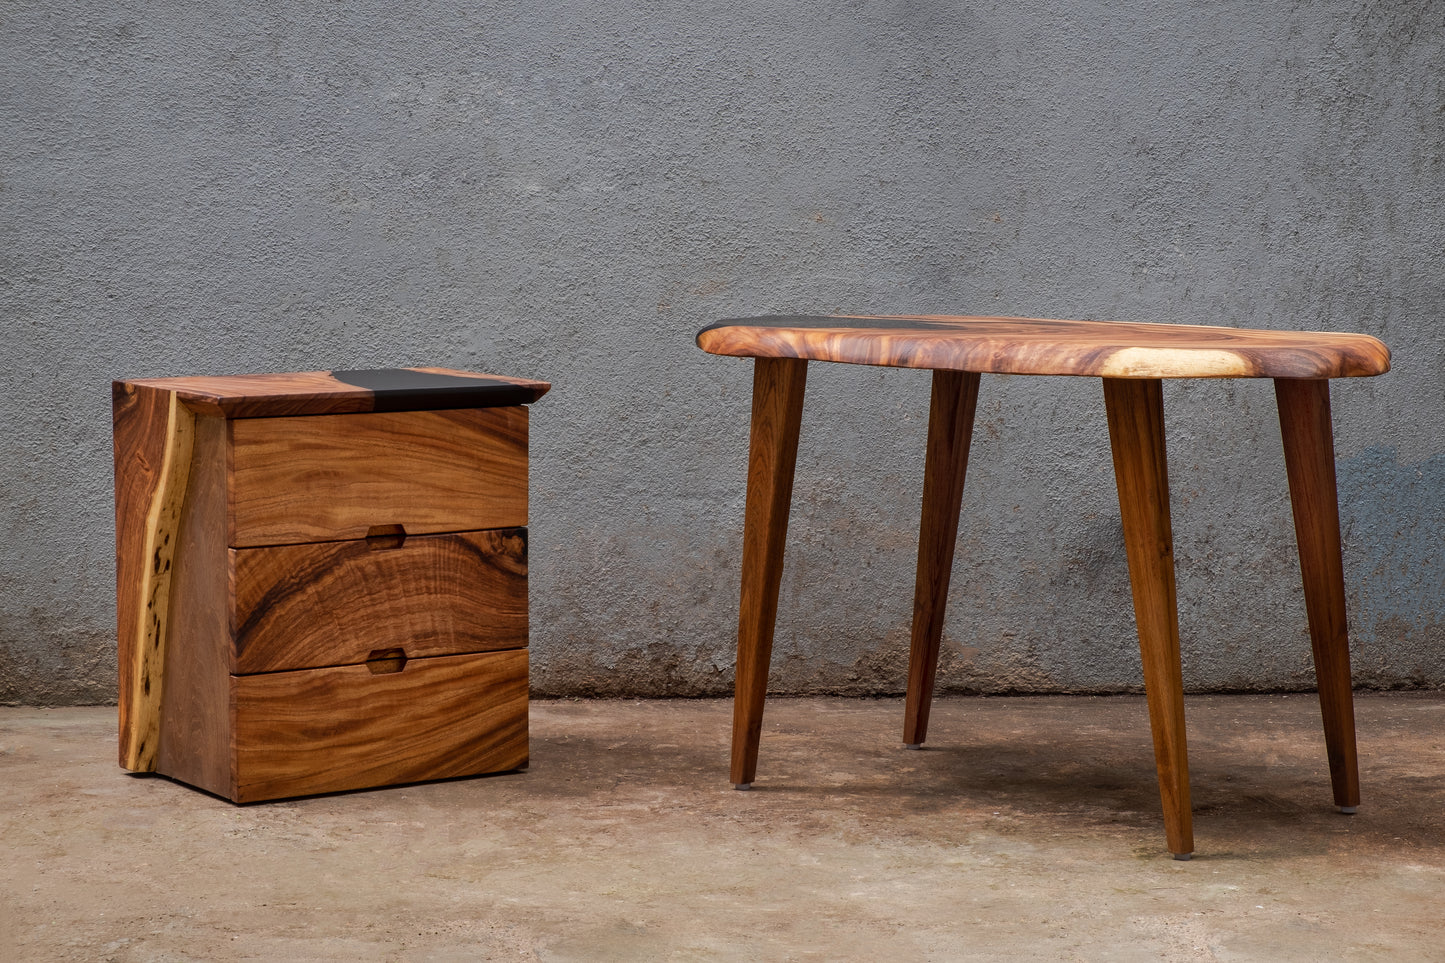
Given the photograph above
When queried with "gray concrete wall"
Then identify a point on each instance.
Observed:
(569, 190)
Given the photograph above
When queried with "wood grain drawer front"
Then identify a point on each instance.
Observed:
(335, 603)
(329, 477)
(327, 730)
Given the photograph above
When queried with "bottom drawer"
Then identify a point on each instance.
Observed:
(345, 727)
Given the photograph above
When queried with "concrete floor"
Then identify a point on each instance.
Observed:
(1029, 829)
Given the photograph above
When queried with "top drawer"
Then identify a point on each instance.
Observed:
(330, 477)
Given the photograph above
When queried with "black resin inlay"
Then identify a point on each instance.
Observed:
(402, 389)
(816, 321)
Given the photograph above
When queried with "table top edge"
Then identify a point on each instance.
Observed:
(1045, 346)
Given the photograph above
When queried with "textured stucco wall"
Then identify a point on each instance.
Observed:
(569, 190)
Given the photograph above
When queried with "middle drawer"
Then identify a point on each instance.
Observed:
(337, 603)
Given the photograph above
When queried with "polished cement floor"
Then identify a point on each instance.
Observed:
(1028, 829)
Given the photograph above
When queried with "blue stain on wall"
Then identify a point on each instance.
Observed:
(1392, 518)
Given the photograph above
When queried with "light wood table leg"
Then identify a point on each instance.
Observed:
(773, 453)
(1309, 457)
(950, 429)
(1136, 434)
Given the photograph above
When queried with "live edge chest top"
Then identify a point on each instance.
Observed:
(1131, 359)
(322, 578)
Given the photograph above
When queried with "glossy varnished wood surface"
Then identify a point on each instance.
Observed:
(343, 392)
(345, 727)
(196, 698)
(778, 387)
(153, 439)
(329, 477)
(1309, 457)
(1135, 410)
(1131, 359)
(1044, 346)
(950, 431)
(334, 603)
(272, 549)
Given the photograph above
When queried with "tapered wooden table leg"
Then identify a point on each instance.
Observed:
(773, 453)
(1309, 457)
(950, 429)
(1136, 434)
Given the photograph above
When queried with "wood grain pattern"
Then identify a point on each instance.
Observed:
(1309, 456)
(778, 386)
(322, 478)
(138, 417)
(1136, 434)
(1131, 359)
(334, 603)
(214, 628)
(196, 699)
(153, 436)
(329, 392)
(332, 729)
(950, 431)
(1051, 347)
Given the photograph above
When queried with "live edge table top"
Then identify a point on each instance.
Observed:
(1039, 346)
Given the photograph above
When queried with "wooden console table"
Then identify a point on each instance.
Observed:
(1131, 359)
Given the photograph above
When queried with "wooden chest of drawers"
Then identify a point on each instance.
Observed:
(322, 578)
